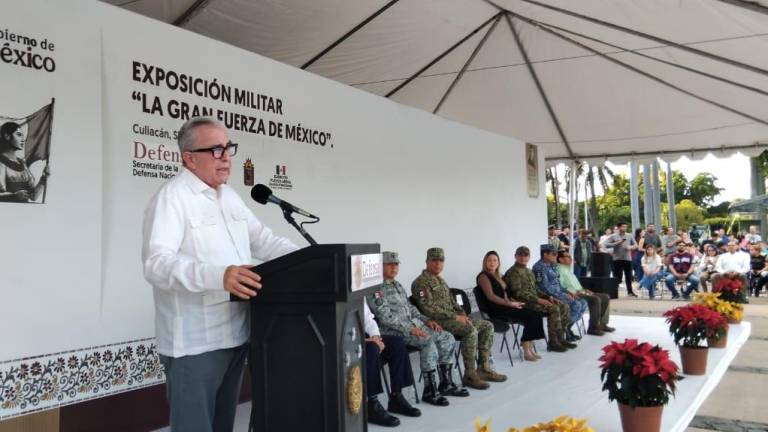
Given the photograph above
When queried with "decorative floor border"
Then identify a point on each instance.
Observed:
(52, 380)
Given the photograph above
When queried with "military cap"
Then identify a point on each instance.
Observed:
(435, 253)
(547, 248)
(522, 251)
(390, 257)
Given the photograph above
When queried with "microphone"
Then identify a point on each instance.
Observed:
(262, 195)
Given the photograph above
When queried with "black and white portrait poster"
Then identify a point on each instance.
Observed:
(25, 149)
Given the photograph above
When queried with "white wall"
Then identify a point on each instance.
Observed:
(395, 176)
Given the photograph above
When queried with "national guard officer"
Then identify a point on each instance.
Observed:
(548, 281)
(522, 286)
(398, 316)
(434, 299)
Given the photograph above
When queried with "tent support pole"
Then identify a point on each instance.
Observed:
(466, 64)
(440, 57)
(633, 32)
(188, 14)
(348, 34)
(542, 93)
(639, 71)
(634, 195)
(671, 197)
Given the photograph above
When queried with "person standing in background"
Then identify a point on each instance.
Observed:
(583, 248)
(622, 244)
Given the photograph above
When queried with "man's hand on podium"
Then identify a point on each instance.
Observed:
(241, 281)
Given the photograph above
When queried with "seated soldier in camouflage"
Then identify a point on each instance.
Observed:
(398, 317)
(548, 281)
(522, 285)
(434, 299)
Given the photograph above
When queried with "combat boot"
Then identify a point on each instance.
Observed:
(430, 394)
(486, 372)
(473, 380)
(564, 342)
(447, 387)
(554, 345)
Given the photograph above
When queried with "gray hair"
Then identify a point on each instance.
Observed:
(186, 136)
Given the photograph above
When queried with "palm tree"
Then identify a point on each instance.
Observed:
(551, 177)
(603, 173)
(579, 172)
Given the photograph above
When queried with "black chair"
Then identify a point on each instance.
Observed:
(501, 325)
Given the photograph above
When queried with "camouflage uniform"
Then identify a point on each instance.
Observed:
(548, 281)
(397, 316)
(522, 284)
(434, 298)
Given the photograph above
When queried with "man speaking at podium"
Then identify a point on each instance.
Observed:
(199, 240)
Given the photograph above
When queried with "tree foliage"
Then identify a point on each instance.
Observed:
(702, 190)
(688, 213)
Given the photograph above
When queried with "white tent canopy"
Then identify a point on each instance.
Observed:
(588, 80)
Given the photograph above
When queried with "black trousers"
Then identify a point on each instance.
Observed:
(532, 321)
(623, 266)
(396, 356)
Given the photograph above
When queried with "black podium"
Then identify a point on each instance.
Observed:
(601, 280)
(306, 357)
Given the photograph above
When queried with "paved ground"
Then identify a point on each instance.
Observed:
(740, 401)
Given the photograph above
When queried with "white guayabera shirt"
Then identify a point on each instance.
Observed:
(192, 233)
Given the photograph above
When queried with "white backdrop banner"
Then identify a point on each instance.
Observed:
(73, 293)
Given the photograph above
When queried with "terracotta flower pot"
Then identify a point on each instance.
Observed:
(640, 419)
(694, 360)
(718, 343)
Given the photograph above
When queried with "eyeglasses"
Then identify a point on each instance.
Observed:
(218, 151)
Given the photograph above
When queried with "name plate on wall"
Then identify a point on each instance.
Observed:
(366, 271)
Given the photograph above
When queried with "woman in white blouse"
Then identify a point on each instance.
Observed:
(652, 270)
(707, 266)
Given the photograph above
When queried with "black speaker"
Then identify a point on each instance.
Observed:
(601, 264)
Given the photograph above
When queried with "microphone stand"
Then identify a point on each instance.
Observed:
(288, 215)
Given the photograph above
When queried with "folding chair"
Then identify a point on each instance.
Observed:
(500, 325)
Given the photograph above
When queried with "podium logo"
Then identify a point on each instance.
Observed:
(280, 179)
(366, 271)
(248, 176)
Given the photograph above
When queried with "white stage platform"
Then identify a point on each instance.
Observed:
(564, 384)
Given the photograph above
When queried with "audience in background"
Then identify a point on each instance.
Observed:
(758, 266)
(653, 270)
(707, 266)
(681, 270)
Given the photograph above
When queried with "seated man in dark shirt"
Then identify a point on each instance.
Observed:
(681, 269)
(758, 269)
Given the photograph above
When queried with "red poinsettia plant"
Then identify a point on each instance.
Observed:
(638, 374)
(730, 289)
(693, 324)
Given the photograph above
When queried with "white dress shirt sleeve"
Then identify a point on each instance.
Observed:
(371, 328)
(163, 234)
(745, 266)
(720, 264)
(264, 244)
